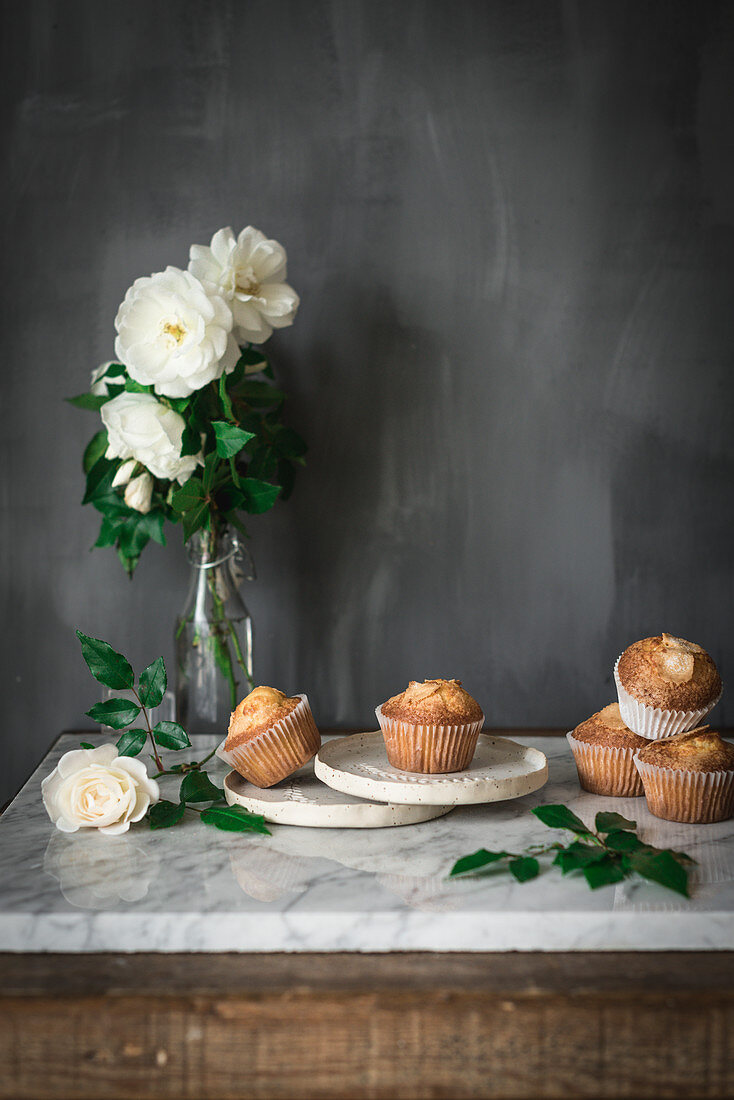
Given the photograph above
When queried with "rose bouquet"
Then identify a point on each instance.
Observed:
(188, 432)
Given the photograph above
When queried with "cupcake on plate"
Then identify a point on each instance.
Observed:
(665, 685)
(604, 749)
(270, 736)
(689, 777)
(431, 727)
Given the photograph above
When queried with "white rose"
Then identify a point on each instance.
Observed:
(249, 271)
(99, 872)
(97, 789)
(139, 493)
(174, 334)
(141, 427)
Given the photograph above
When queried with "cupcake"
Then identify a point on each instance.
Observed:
(431, 727)
(689, 777)
(665, 686)
(604, 748)
(270, 736)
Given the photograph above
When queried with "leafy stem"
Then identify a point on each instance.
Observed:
(156, 754)
(608, 853)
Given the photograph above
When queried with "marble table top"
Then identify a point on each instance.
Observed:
(194, 888)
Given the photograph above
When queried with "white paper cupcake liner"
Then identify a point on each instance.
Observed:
(694, 797)
(605, 769)
(429, 749)
(654, 722)
(277, 752)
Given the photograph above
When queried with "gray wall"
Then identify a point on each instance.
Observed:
(511, 225)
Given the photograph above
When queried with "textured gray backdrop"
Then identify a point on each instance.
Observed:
(511, 225)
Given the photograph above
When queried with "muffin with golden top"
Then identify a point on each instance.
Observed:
(271, 735)
(603, 748)
(689, 777)
(431, 727)
(665, 685)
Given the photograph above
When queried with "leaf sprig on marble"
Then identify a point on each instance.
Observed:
(608, 853)
(114, 671)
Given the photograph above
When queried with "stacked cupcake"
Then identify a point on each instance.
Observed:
(651, 741)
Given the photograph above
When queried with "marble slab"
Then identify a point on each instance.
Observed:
(193, 888)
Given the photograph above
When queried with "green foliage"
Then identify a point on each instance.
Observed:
(249, 459)
(131, 742)
(153, 683)
(116, 713)
(198, 787)
(105, 664)
(170, 735)
(605, 856)
(165, 814)
(234, 819)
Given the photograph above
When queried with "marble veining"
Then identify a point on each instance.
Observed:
(193, 888)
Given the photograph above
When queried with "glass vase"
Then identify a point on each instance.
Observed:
(214, 634)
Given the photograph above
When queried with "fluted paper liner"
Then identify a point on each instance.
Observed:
(654, 722)
(698, 798)
(277, 752)
(606, 769)
(433, 750)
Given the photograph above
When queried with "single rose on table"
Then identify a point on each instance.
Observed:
(98, 789)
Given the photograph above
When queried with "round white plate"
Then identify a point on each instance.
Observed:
(501, 769)
(303, 800)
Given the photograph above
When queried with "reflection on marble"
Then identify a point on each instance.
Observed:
(99, 872)
(193, 888)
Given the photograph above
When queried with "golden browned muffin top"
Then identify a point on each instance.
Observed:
(607, 728)
(257, 712)
(699, 750)
(670, 673)
(433, 702)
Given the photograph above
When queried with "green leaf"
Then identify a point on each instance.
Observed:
(164, 814)
(252, 357)
(190, 441)
(609, 822)
(230, 439)
(131, 742)
(478, 859)
(95, 450)
(116, 713)
(178, 404)
(194, 520)
(153, 683)
(263, 463)
(152, 524)
(99, 480)
(211, 462)
(188, 496)
(93, 402)
(131, 386)
(170, 735)
(661, 867)
(603, 873)
(524, 868)
(259, 393)
(578, 856)
(289, 444)
(105, 664)
(560, 817)
(234, 819)
(224, 397)
(85, 745)
(198, 787)
(259, 496)
(622, 841)
(107, 533)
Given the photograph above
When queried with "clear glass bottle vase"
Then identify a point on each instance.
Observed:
(214, 634)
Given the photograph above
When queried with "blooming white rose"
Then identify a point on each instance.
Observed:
(174, 334)
(249, 271)
(97, 789)
(139, 493)
(141, 427)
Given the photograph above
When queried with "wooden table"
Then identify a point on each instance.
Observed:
(387, 1025)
